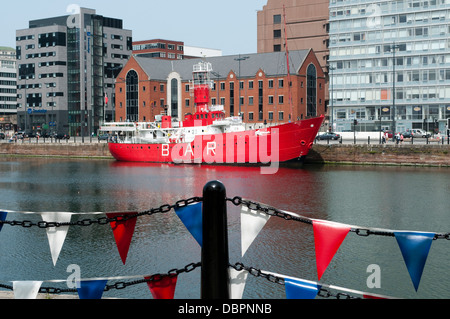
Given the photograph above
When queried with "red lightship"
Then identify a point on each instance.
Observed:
(208, 136)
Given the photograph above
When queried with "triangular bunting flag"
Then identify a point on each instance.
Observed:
(414, 247)
(164, 288)
(237, 282)
(123, 233)
(91, 289)
(56, 235)
(299, 289)
(2, 218)
(328, 237)
(191, 216)
(26, 289)
(252, 222)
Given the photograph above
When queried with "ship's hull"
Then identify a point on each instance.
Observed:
(278, 144)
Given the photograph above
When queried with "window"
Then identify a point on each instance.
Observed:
(277, 19)
(174, 98)
(311, 108)
(132, 96)
(276, 34)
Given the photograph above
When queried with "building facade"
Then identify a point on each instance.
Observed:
(8, 90)
(171, 50)
(159, 49)
(390, 64)
(306, 24)
(66, 72)
(256, 86)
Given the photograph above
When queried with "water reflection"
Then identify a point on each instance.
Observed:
(386, 197)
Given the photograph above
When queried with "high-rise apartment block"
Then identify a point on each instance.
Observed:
(389, 64)
(67, 67)
(8, 89)
(301, 24)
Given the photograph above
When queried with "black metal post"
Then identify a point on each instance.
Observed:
(215, 260)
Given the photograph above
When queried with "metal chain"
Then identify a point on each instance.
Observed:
(105, 220)
(122, 284)
(323, 292)
(363, 232)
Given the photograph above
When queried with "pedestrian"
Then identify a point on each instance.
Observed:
(401, 138)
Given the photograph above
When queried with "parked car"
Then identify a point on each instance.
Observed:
(328, 136)
(420, 133)
(407, 134)
(103, 137)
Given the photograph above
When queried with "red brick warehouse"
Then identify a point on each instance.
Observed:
(257, 85)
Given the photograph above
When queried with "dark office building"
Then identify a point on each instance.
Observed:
(67, 67)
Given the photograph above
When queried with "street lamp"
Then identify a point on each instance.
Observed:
(393, 48)
(239, 59)
(330, 68)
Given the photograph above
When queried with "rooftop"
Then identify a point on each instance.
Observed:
(273, 63)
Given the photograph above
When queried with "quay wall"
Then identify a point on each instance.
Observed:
(63, 149)
(374, 154)
(381, 154)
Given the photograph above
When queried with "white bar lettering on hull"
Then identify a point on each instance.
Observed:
(211, 148)
(165, 150)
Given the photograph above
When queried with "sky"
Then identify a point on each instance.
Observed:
(230, 26)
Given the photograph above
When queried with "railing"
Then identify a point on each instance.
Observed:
(206, 219)
(379, 138)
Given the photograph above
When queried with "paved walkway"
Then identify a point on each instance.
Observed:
(10, 295)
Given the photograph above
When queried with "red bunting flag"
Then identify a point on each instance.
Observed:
(328, 237)
(163, 288)
(123, 232)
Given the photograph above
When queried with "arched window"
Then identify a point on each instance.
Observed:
(174, 98)
(132, 96)
(311, 91)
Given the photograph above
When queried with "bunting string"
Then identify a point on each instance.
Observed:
(120, 284)
(324, 291)
(328, 237)
(115, 216)
(359, 230)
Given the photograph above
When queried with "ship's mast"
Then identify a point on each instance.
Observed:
(287, 64)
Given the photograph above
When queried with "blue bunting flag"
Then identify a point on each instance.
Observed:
(91, 289)
(414, 247)
(299, 289)
(2, 218)
(191, 216)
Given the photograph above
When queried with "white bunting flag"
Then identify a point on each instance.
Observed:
(237, 282)
(26, 289)
(252, 222)
(56, 235)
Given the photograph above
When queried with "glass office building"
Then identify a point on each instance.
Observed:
(389, 64)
